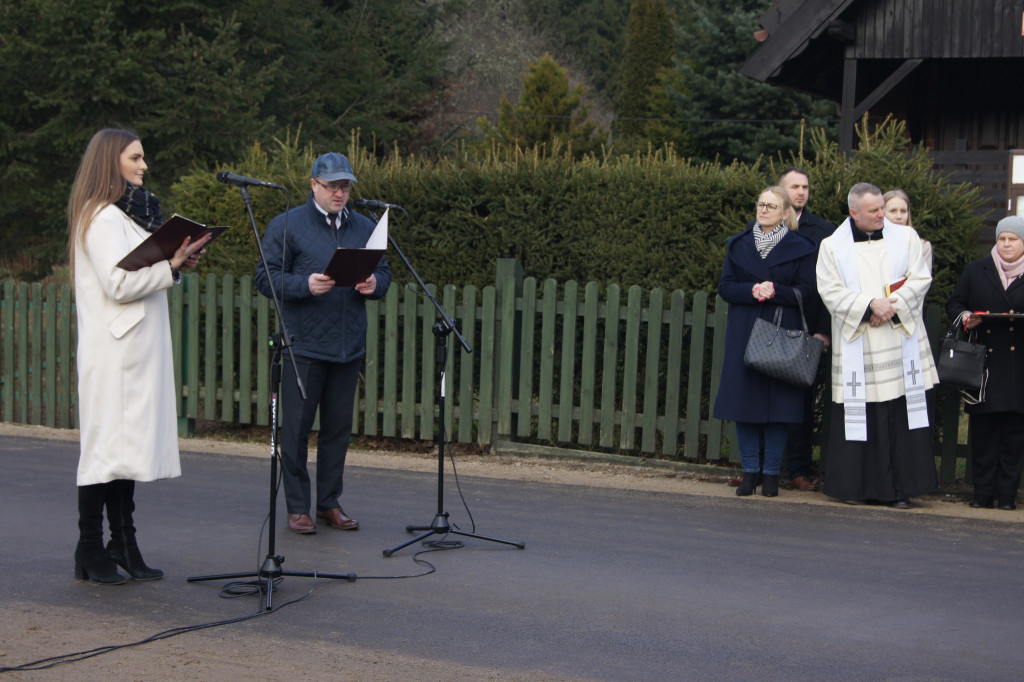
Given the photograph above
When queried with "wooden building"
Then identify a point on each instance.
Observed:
(952, 69)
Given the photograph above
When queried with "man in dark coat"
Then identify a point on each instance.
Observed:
(799, 446)
(327, 325)
(994, 284)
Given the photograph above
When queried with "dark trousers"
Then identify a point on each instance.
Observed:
(997, 453)
(800, 443)
(331, 386)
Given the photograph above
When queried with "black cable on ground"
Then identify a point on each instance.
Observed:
(53, 661)
(230, 590)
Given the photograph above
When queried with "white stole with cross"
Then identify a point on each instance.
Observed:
(854, 377)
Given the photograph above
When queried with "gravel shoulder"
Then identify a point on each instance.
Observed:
(597, 474)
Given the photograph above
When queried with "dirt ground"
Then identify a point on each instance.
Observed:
(27, 628)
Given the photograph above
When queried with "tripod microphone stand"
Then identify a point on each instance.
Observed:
(441, 330)
(271, 569)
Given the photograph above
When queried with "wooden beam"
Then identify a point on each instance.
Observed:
(887, 85)
(852, 110)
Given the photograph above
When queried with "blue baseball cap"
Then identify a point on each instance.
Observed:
(332, 166)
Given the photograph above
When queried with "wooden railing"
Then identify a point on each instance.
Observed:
(585, 367)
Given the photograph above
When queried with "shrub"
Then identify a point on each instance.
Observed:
(651, 219)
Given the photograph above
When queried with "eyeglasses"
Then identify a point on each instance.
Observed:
(761, 206)
(334, 189)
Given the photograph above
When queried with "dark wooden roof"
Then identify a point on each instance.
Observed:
(792, 25)
(949, 68)
(808, 39)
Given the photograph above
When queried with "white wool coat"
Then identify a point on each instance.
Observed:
(126, 400)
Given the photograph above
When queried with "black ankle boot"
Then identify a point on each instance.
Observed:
(770, 486)
(748, 484)
(122, 549)
(91, 560)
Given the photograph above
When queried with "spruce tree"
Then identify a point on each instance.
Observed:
(589, 32)
(647, 54)
(199, 82)
(550, 113)
(721, 113)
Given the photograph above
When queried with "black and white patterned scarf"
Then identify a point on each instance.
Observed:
(141, 206)
(766, 241)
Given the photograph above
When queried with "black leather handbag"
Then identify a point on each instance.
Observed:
(789, 355)
(961, 363)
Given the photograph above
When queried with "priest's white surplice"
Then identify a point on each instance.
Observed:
(880, 365)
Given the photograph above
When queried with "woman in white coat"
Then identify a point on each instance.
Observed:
(125, 376)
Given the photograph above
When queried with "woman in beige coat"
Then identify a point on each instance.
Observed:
(125, 376)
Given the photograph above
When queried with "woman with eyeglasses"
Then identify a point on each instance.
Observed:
(127, 413)
(765, 265)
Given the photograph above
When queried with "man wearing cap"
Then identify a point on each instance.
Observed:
(327, 326)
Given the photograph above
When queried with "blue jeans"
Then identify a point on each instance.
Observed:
(750, 436)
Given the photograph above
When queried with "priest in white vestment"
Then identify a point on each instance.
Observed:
(872, 278)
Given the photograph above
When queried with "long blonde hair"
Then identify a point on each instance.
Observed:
(98, 183)
(788, 216)
(897, 194)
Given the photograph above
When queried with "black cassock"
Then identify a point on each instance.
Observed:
(894, 463)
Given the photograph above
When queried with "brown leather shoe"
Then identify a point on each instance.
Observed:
(803, 483)
(336, 518)
(301, 523)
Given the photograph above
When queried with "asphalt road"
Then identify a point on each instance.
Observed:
(612, 584)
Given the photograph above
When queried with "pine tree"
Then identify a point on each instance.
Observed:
(550, 113)
(198, 82)
(648, 53)
(722, 113)
(589, 32)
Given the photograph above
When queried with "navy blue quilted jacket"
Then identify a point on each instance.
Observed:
(330, 327)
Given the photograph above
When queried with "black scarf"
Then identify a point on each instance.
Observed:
(141, 206)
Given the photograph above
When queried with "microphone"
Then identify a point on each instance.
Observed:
(230, 178)
(373, 204)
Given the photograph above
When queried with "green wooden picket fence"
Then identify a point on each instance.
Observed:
(562, 365)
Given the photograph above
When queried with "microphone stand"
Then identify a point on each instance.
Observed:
(271, 568)
(441, 330)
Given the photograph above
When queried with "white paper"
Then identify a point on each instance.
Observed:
(379, 238)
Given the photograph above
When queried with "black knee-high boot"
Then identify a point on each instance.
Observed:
(91, 560)
(123, 550)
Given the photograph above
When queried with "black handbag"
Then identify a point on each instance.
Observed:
(790, 355)
(961, 363)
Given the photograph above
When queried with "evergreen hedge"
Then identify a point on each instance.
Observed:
(652, 219)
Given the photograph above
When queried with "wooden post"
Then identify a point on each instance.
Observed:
(508, 289)
(849, 103)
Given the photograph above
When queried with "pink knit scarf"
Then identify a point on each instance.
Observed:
(1007, 271)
